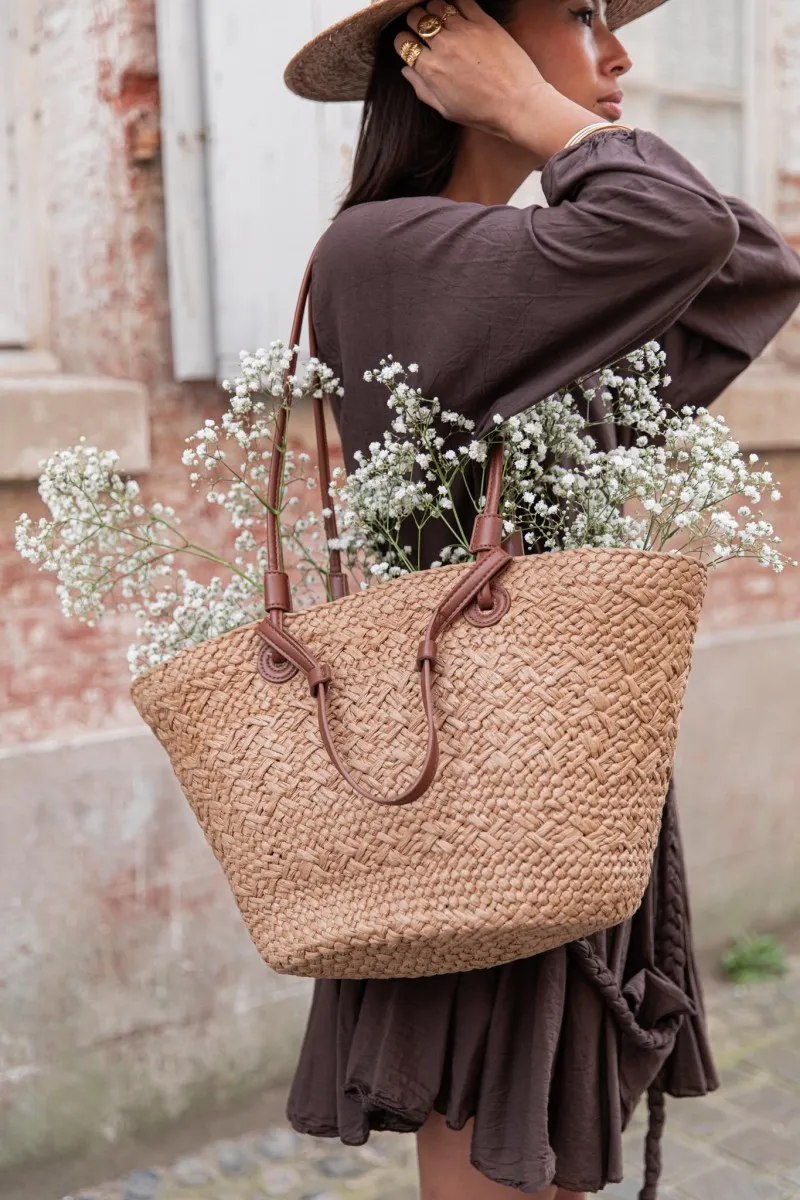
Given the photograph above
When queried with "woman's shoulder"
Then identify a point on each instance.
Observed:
(405, 224)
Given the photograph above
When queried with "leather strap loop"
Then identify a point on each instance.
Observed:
(429, 767)
(277, 594)
(427, 653)
(486, 533)
(286, 647)
(319, 676)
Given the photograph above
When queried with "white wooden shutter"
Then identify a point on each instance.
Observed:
(13, 291)
(276, 164)
(699, 81)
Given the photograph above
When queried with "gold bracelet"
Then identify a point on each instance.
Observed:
(598, 127)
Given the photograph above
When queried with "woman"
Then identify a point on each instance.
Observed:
(521, 1077)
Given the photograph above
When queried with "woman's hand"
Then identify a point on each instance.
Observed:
(475, 74)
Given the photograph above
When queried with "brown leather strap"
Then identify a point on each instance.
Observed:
(337, 577)
(492, 564)
(491, 560)
(488, 528)
(429, 767)
(275, 564)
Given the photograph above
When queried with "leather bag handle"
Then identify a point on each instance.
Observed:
(473, 586)
(277, 594)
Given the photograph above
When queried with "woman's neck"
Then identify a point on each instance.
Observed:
(488, 169)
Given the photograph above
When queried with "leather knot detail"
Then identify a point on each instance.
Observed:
(339, 585)
(320, 674)
(427, 653)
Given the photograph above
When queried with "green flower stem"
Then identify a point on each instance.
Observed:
(187, 547)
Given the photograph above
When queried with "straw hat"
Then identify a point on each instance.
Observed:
(337, 64)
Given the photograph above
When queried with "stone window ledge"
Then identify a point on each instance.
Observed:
(42, 410)
(763, 407)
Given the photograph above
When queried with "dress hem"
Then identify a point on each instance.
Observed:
(550, 1178)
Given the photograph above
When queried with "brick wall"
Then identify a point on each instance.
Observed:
(109, 315)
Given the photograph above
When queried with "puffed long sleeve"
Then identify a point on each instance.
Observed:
(501, 306)
(736, 315)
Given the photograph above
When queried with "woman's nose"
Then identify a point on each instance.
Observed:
(616, 58)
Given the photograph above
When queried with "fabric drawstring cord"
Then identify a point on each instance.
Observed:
(672, 953)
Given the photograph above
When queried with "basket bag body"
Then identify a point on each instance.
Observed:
(541, 694)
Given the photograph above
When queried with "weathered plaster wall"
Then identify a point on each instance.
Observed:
(129, 989)
(98, 165)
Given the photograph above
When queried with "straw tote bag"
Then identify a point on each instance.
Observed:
(449, 771)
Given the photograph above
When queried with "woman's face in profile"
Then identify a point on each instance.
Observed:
(572, 46)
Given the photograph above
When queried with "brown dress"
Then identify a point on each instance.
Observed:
(500, 307)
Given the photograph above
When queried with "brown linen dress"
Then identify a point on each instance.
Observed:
(501, 306)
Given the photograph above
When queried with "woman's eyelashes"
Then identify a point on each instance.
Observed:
(584, 15)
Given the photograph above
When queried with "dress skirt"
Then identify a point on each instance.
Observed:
(550, 1055)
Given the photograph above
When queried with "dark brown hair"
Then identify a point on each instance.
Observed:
(404, 148)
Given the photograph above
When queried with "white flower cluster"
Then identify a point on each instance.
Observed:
(109, 550)
(667, 486)
(675, 481)
(191, 612)
(408, 479)
(100, 539)
(666, 483)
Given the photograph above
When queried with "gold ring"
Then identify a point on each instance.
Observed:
(450, 10)
(410, 52)
(429, 27)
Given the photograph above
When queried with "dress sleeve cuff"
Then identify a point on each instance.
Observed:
(627, 151)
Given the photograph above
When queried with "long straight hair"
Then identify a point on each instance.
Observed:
(404, 147)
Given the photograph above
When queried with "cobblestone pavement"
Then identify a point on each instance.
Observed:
(743, 1143)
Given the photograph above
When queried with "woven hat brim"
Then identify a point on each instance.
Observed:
(337, 64)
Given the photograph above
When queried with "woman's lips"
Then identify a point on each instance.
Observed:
(612, 106)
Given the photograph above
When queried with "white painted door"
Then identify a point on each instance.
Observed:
(275, 164)
(13, 283)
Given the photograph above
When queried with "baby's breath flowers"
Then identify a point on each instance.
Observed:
(665, 487)
(408, 479)
(110, 551)
(675, 481)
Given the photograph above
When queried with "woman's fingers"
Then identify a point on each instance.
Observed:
(471, 71)
(443, 9)
(422, 90)
(403, 41)
(403, 44)
(415, 15)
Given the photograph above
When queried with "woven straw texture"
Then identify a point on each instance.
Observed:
(557, 730)
(337, 64)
